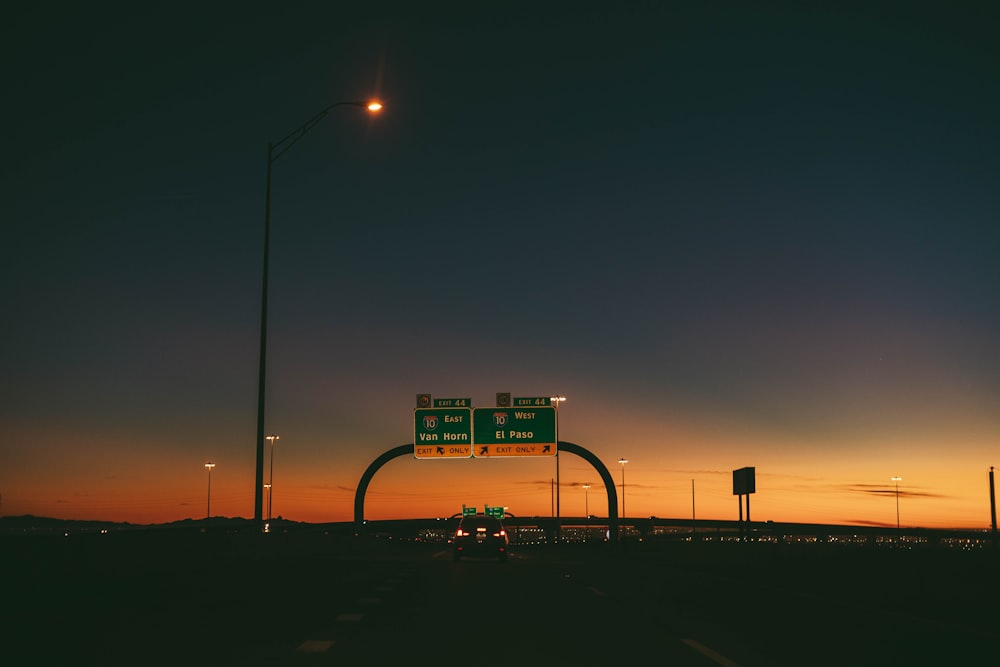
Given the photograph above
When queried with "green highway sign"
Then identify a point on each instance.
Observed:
(442, 433)
(531, 401)
(452, 402)
(527, 431)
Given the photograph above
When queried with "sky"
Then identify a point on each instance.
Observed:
(731, 234)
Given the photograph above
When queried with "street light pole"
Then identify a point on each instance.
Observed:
(270, 478)
(897, 480)
(586, 501)
(623, 461)
(556, 400)
(274, 151)
(208, 510)
(267, 490)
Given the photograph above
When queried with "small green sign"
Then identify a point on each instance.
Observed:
(532, 401)
(452, 402)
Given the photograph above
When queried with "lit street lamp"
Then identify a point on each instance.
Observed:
(208, 510)
(274, 151)
(623, 461)
(270, 481)
(586, 501)
(897, 480)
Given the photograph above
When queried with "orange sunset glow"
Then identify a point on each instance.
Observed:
(670, 468)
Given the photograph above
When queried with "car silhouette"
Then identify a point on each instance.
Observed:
(480, 536)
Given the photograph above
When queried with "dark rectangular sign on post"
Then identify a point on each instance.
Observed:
(744, 481)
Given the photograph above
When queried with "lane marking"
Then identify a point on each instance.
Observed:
(710, 654)
(352, 617)
(314, 646)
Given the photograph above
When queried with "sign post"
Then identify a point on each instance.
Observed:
(744, 483)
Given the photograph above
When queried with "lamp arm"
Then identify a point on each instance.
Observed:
(300, 132)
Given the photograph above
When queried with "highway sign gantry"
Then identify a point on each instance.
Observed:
(529, 431)
(442, 433)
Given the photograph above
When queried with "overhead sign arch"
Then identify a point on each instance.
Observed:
(563, 446)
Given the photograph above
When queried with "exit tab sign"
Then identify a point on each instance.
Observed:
(452, 402)
(531, 401)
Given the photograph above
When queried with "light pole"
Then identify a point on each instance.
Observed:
(267, 488)
(274, 151)
(586, 501)
(897, 480)
(556, 400)
(208, 510)
(622, 461)
(270, 480)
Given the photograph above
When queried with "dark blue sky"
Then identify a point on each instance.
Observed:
(765, 232)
